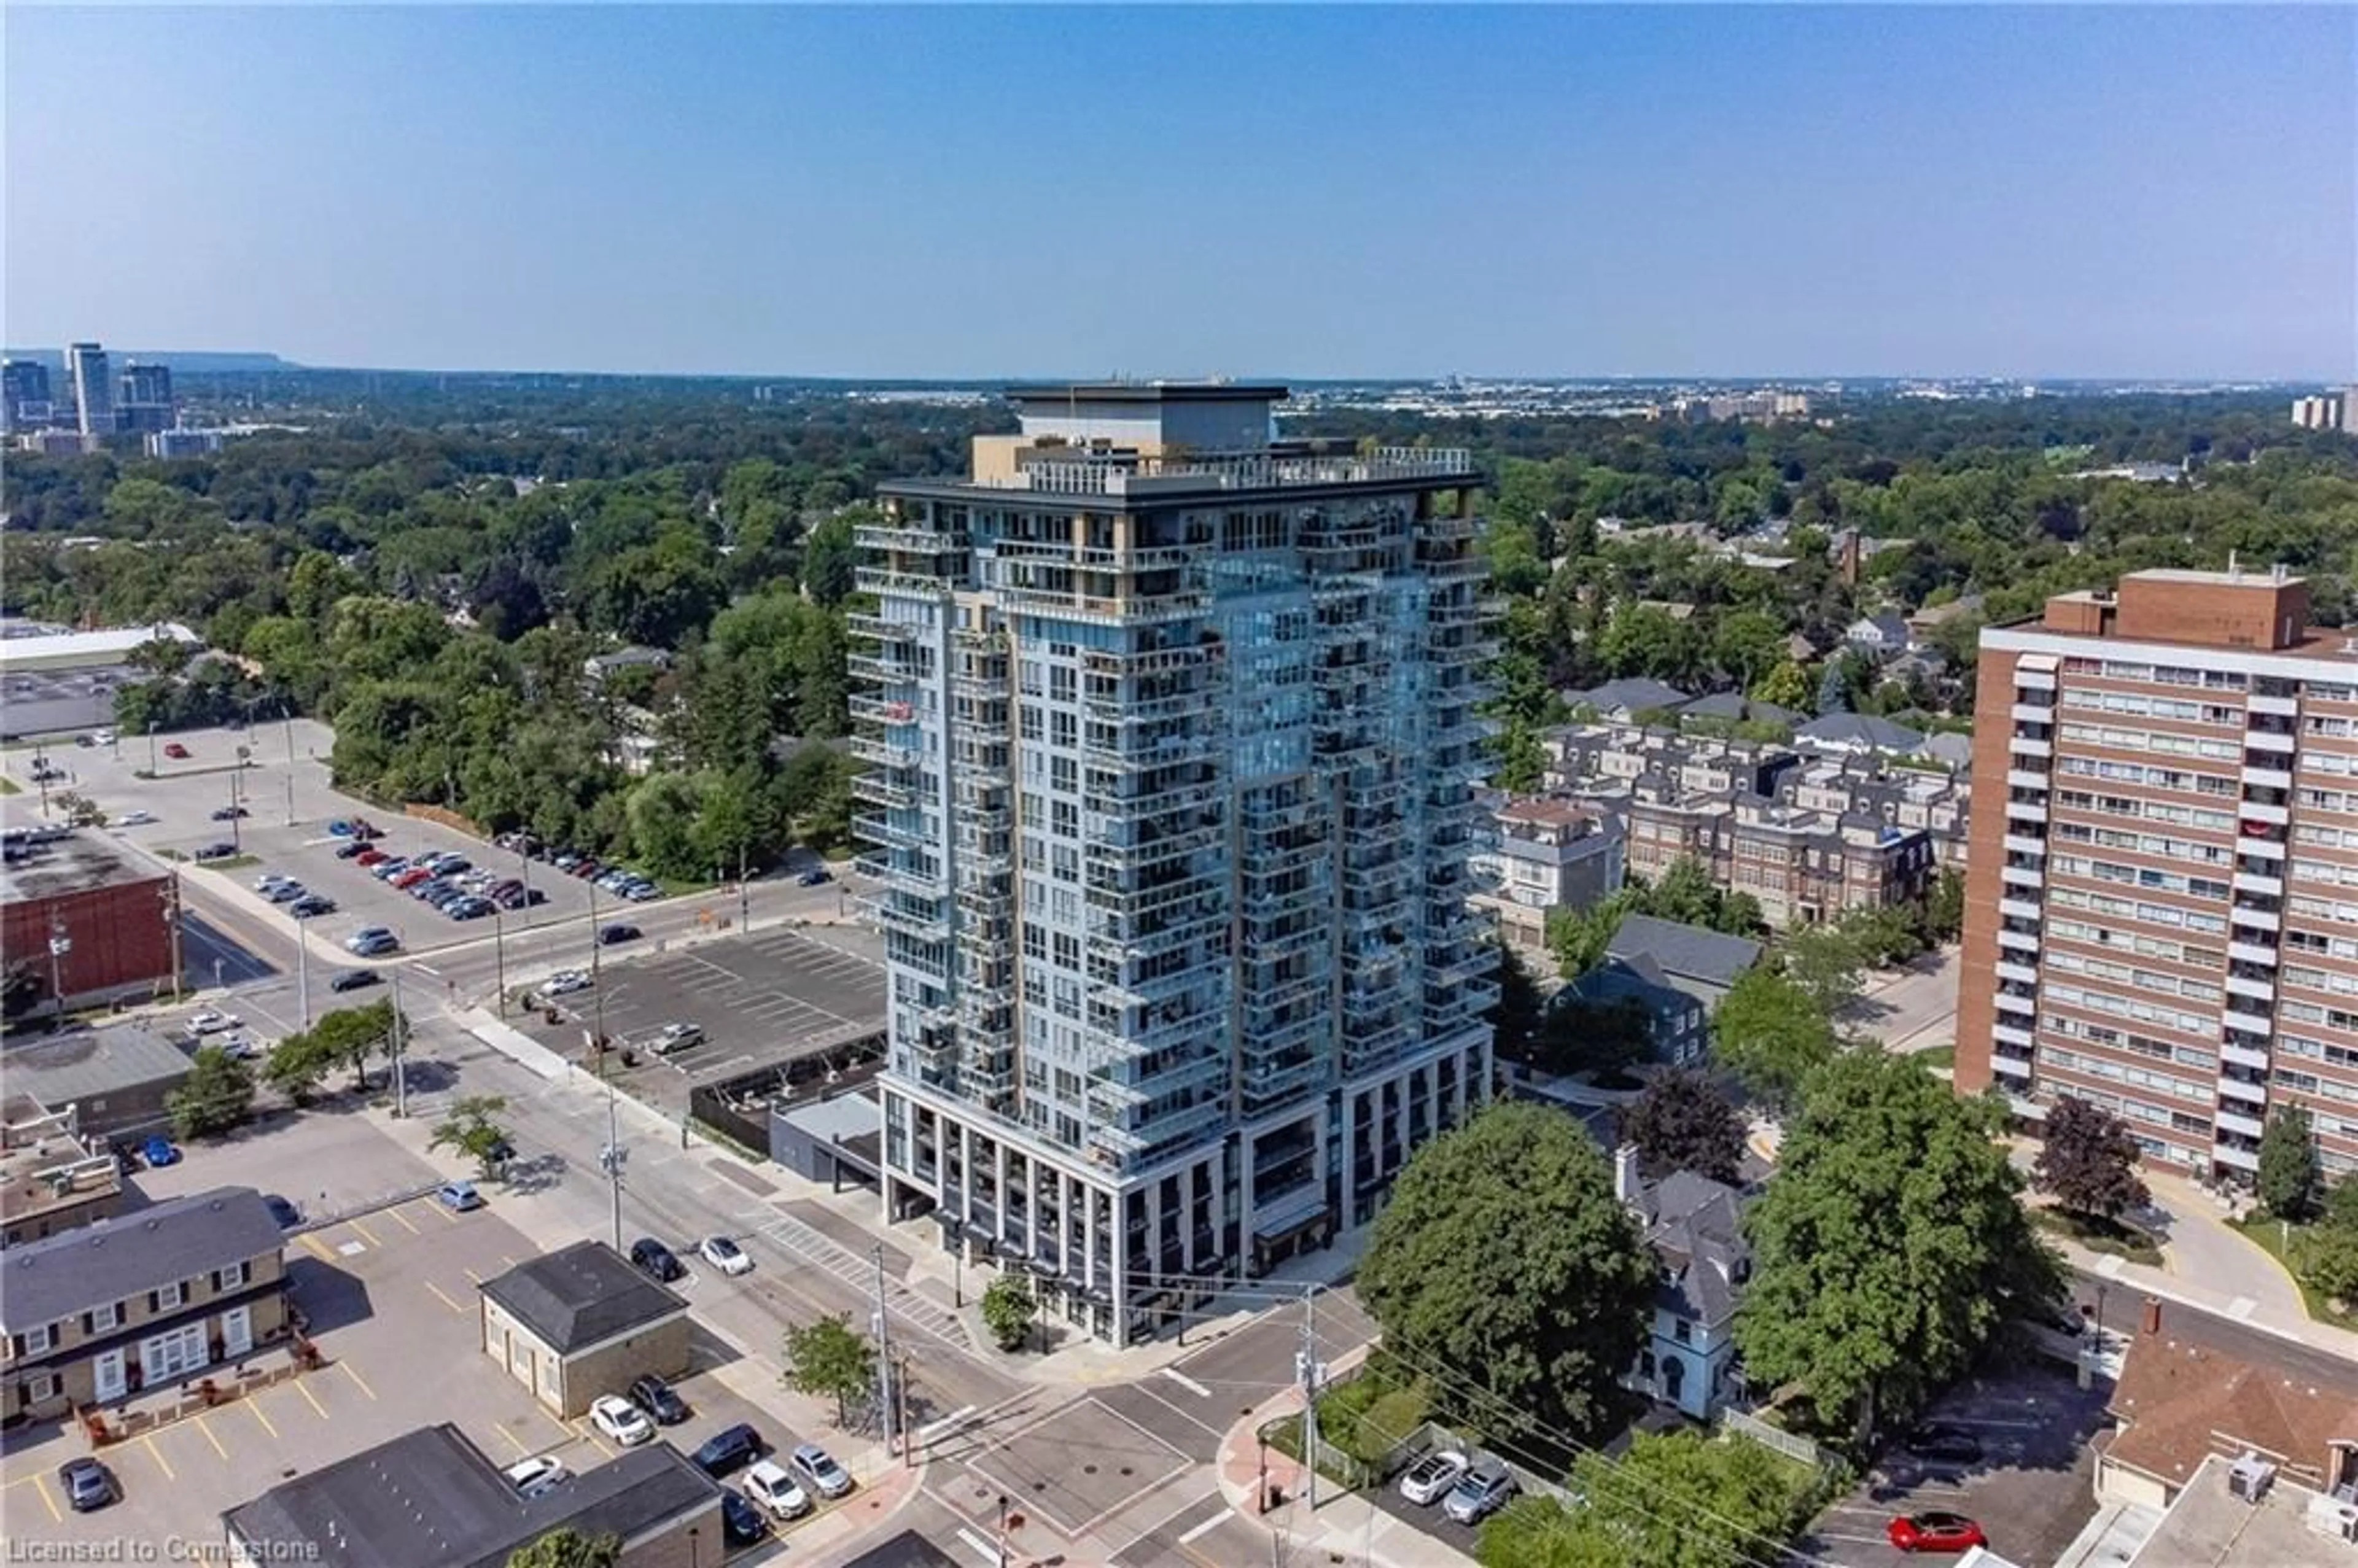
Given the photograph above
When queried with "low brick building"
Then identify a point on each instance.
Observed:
(581, 1321)
(52, 1178)
(83, 923)
(137, 1301)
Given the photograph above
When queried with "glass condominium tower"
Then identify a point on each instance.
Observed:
(1172, 750)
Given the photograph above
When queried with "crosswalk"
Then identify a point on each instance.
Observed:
(905, 1304)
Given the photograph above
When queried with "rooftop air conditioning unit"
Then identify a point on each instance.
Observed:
(2249, 1478)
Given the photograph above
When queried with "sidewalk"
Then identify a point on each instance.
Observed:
(1345, 1526)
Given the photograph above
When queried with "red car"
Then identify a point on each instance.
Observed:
(175, 751)
(412, 877)
(1935, 1532)
(370, 857)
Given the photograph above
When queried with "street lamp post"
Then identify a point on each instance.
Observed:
(1002, 1530)
(303, 973)
(60, 943)
(500, 956)
(152, 769)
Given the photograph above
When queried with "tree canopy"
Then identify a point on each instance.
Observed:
(2087, 1161)
(1504, 1257)
(1683, 1120)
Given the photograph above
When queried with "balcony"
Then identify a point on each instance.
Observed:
(2019, 974)
(2255, 883)
(2024, 844)
(2018, 908)
(2241, 1159)
(2265, 777)
(2269, 741)
(2260, 849)
(869, 707)
(2010, 1067)
(2023, 876)
(881, 789)
(2012, 1035)
(2247, 1057)
(2237, 1122)
(2034, 680)
(2264, 811)
(2034, 713)
(2232, 1088)
(2021, 941)
(2027, 1007)
(2034, 779)
(2030, 746)
(2252, 953)
(2276, 707)
(2025, 811)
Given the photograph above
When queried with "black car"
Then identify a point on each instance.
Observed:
(729, 1449)
(87, 1484)
(216, 852)
(741, 1521)
(353, 980)
(814, 877)
(656, 1261)
(287, 1215)
(655, 1396)
(352, 848)
(229, 813)
(1938, 1440)
(608, 935)
(311, 904)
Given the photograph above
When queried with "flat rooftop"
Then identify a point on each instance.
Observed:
(80, 861)
(91, 1064)
(2210, 1527)
(54, 1172)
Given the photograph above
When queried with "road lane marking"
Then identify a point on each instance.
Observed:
(1188, 1382)
(157, 1454)
(470, 1274)
(206, 1427)
(318, 1248)
(1205, 1529)
(979, 1547)
(254, 1404)
(447, 1302)
(356, 1378)
(926, 1433)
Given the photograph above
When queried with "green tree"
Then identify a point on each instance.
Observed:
(353, 1034)
(1676, 1499)
(1504, 1258)
(1890, 1242)
(1787, 685)
(1515, 1022)
(1748, 645)
(298, 1064)
(1769, 1033)
(566, 1547)
(1579, 937)
(827, 1359)
(1825, 962)
(1522, 758)
(2087, 1162)
(2288, 1173)
(1944, 908)
(1008, 1308)
(2325, 1255)
(1684, 1121)
(217, 1095)
(472, 1128)
(831, 557)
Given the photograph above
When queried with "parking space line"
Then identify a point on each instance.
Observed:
(310, 1399)
(41, 1484)
(356, 1378)
(157, 1454)
(446, 1300)
(595, 1440)
(470, 1274)
(516, 1442)
(318, 1249)
(364, 1230)
(207, 1428)
(253, 1403)
(404, 1219)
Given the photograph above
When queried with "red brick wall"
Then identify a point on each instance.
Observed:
(2260, 614)
(120, 933)
(1985, 852)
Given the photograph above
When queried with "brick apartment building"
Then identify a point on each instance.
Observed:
(82, 919)
(2162, 896)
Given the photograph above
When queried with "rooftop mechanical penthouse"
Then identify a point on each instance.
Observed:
(2162, 893)
(1173, 748)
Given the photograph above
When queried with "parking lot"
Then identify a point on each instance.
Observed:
(2032, 1490)
(761, 1001)
(390, 1298)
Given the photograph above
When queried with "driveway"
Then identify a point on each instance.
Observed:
(2032, 1491)
(1912, 1007)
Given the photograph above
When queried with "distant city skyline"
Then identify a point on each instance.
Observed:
(968, 193)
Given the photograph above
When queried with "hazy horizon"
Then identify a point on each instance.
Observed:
(968, 194)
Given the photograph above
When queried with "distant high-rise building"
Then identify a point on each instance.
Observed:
(24, 402)
(94, 392)
(146, 405)
(2161, 896)
(1173, 736)
(180, 443)
(2326, 411)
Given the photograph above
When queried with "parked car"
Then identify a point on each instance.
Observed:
(391, 866)
(102, 737)
(769, 1484)
(656, 1261)
(370, 856)
(816, 876)
(87, 1484)
(522, 898)
(216, 852)
(459, 1197)
(311, 904)
(1431, 1478)
(613, 936)
(565, 982)
(741, 1521)
(210, 1022)
(350, 849)
(340, 829)
(286, 892)
(726, 1255)
(729, 1449)
(229, 813)
(269, 879)
(468, 908)
(158, 1151)
(1482, 1491)
(659, 1400)
(621, 1419)
(287, 1215)
(239, 1048)
(674, 1037)
(410, 876)
(1941, 1440)
(135, 819)
(354, 979)
(175, 751)
(1935, 1532)
(532, 1477)
(817, 1466)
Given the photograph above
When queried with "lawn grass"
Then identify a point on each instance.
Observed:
(1940, 1056)
(2097, 1236)
(9, 786)
(228, 862)
(2267, 1235)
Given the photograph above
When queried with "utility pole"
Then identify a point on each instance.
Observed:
(290, 796)
(400, 1047)
(1309, 1360)
(303, 973)
(744, 897)
(172, 921)
(61, 944)
(612, 1155)
(500, 956)
(884, 1353)
(236, 817)
(151, 749)
(901, 1416)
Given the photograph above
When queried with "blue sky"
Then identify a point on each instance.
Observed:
(1300, 191)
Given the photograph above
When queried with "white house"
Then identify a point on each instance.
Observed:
(1692, 1223)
